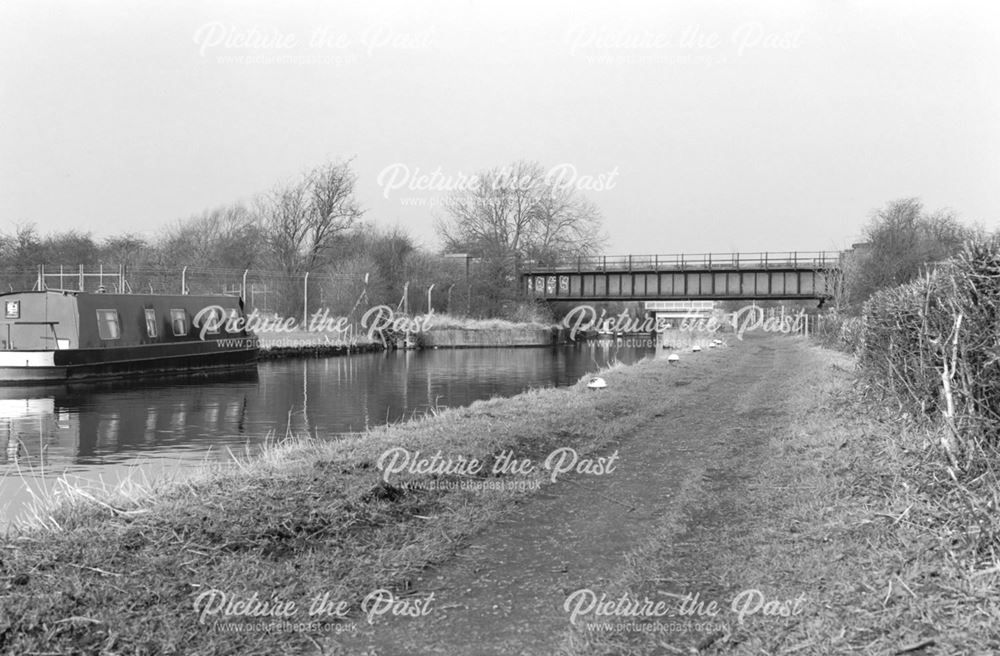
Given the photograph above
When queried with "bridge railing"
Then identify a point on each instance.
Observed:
(762, 260)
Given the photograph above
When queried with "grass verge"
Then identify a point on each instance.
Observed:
(121, 575)
(852, 509)
(443, 321)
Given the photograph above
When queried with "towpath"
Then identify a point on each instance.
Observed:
(677, 475)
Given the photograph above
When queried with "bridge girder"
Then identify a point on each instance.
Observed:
(717, 284)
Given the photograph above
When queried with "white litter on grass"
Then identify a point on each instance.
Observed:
(673, 357)
(597, 383)
(695, 348)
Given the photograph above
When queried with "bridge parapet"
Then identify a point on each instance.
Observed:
(687, 261)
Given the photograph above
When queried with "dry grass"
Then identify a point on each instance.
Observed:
(931, 347)
(894, 555)
(682, 340)
(444, 321)
(118, 573)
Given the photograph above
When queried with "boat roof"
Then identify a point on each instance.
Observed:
(77, 292)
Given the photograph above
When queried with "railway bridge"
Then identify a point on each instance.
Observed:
(692, 277)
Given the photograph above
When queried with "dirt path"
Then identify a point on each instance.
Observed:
(503, 593)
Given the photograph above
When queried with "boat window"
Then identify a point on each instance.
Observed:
(151, 323)
(178, 319)
(12, 310)
(107, 324)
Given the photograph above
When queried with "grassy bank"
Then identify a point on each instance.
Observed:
(435, 331)
(446, 321)
(121, 575)
(855, 510)
(304, 343)
(674, 339)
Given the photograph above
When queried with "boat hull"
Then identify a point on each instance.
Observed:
(26, 367)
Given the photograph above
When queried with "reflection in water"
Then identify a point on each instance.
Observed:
(104, 432)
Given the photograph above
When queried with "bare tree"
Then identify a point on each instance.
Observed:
(224, 237)
(902, 239)
(301, 222)
(27, 246)
(494, 218)
(127, 249)
(284, 224)
(515, 213)
(21, 253)
(69, 247)
(333, 210)
(519, 212)
(564, 224)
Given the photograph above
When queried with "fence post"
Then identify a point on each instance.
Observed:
(184, 280)
(429, 290)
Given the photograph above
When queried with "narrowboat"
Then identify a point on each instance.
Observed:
(63, 336)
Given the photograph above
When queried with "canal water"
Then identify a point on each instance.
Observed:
(101, 435)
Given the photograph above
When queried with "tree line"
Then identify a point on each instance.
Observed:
(900, 241)
(315, 225)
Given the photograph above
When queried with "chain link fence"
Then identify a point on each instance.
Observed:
(268, 292)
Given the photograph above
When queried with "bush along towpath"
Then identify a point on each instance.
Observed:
(738, 501)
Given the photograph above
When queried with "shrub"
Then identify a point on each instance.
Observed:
(933, 344)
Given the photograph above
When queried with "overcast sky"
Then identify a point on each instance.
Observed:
(694, 126)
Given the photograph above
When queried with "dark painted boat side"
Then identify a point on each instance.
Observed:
(58, 336)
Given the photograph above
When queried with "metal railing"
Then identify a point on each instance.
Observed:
(78, 277)
(682, 261)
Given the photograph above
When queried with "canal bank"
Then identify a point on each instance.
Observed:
(99, 436)
(304, 519)
(450, 334)
(712, 476)
(472, 338)
(304, 344)
(316, 344)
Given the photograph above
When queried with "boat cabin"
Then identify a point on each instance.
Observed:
(61, 320)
